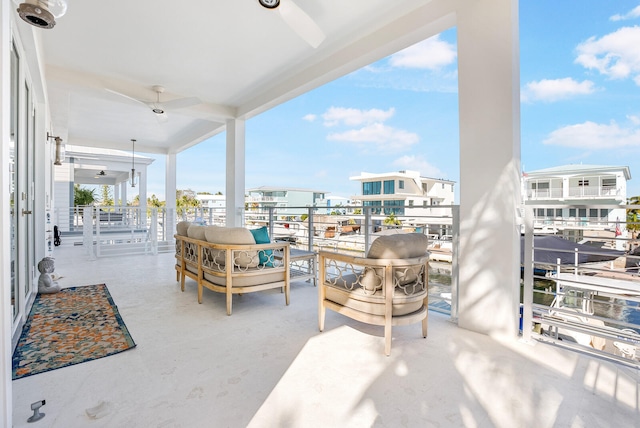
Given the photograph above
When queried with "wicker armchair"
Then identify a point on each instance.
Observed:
(387, 288)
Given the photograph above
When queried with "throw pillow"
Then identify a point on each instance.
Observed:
(261, 235)
(196, 232)
(182, 227)
(400, 246)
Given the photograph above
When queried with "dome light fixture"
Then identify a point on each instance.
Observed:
(269, 4)
(41, 13)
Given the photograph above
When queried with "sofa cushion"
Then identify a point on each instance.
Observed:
(196, 232)
(400, 246)
(182, 227)
(261, 236)
(234, 236)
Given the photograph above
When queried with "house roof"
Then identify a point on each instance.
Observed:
(284, 189)
(101, 60)
(576, 169)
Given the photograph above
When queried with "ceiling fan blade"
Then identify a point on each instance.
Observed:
(301, 23)
(181, 103)
(126, 96)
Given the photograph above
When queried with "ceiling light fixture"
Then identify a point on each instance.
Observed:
(41, 13)
(133, 179)
(269, 4)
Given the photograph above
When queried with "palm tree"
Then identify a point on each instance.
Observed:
(633, 215)
(83, 196)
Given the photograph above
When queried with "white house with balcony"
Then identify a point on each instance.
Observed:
(399, 191)
(571, 199)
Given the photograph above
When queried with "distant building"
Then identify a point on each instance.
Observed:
(594, 190)
(399, 191)
(284, 197)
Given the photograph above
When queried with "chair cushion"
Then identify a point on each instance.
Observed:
(182, 227)
(261, 235)
(196, 232)
(400, 246)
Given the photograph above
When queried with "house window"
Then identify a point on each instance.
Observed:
(608, 182)
(558, 212)
(371, 188)
(604, 213)
(593, 212)
(543, 185)
(443, 185)
(389, 187)
(400, 184)
(394, 207)
(583, 182)
(582, 212)
(540, 212)
(425, 203)
(572, 212)
(375, 204)
(410, 202)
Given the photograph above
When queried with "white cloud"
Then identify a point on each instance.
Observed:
(431, 54)
(417, 163)
(377, 136)
(634, 119)
(556, 89)
(595, 136)
(634, 13)
(354, 117)
(309, 117)
(615, 55)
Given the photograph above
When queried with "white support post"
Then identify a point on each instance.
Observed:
(489, 105)
(170, 195)
(235, 172)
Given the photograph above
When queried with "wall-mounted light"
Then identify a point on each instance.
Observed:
(133, 179)
(41, 13)
(59, 149)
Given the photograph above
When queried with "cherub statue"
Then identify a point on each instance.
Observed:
(46, 284)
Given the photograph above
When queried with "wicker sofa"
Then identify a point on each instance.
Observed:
(387, 287)
(228, 260)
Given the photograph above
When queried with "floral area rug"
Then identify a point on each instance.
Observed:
(75, 325)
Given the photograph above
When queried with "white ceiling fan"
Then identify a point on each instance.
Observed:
(297, 19)
(158, 108)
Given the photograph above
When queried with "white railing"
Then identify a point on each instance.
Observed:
(583, 304)
(594, 191)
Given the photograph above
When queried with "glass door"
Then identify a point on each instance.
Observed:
(13, 180)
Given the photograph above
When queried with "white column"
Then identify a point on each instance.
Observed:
(116, 196)
(235, 172)
(6, 406)
(170, 185)
(123, 191)
(489, 99)
(142, 191)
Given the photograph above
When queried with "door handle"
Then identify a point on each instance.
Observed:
(25, 212)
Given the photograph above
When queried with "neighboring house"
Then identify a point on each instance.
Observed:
(399, 191)
(595, 191)
(284, 197)
(94, 167)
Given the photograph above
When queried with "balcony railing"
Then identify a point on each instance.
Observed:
(575, 192)
(584, 299)
(562, 303)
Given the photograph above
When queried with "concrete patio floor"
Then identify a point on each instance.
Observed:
(267, 365)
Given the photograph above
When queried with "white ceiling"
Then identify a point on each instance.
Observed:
(239, 58)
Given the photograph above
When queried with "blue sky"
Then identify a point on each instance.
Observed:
(580, 103)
